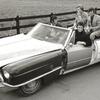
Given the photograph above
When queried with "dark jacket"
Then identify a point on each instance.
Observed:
(82, 36)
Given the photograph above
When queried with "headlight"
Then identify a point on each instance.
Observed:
(6, 74)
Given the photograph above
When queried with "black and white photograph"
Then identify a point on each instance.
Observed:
(49, 49)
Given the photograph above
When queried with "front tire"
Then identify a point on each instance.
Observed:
(30, 88)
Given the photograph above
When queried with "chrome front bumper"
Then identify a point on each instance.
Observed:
(3, 87)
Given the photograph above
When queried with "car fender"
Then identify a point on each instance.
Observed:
(41, 66)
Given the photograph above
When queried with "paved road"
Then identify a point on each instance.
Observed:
(80, 85)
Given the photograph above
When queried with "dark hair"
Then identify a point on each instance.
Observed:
(91, 9)
(80, 24)
(81, 7)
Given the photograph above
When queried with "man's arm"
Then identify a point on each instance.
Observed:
(97, 27)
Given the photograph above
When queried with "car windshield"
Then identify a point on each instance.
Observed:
(50, 34)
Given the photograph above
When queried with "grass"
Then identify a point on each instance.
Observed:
(35, 7)
(12, 8)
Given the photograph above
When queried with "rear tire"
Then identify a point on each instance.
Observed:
(30, 88)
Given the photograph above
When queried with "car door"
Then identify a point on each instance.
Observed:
(96, 51)
(78, 55)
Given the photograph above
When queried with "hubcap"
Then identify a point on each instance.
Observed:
(30, 87)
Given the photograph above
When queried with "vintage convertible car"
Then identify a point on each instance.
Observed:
(28, 61)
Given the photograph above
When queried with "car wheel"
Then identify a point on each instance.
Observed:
(30, 88)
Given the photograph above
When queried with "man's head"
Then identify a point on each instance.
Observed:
(91, 11)
(80, 26)
(79, 8)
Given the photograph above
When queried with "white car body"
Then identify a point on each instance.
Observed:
(21, 48)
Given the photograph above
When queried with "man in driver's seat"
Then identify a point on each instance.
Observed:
(81, 35)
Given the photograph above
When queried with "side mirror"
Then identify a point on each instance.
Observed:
(70, 44)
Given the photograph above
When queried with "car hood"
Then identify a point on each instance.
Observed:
(21, 46)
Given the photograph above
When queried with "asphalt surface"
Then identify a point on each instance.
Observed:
(83, 84)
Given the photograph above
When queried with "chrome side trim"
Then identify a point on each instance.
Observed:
(79, 60)
(15, 86)
(33, 70)
(74, 69)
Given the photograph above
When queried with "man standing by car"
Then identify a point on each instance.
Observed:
(94, 24)
(54, 21)
(81, 16)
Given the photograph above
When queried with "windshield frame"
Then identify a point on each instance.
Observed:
(30, 33)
